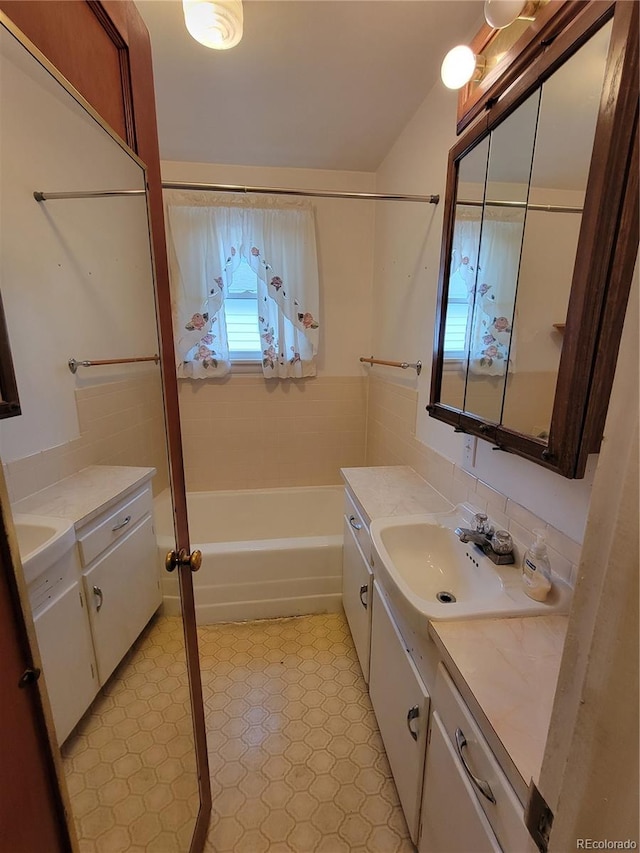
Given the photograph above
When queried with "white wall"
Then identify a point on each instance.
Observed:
(406, 263)
(75, 274)
(344, 232)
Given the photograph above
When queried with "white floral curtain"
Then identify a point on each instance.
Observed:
(490, 351)
(209, 235)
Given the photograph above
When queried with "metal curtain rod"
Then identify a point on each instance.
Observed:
(417, 366)
(548, 208)
(237, 188)
(74, 365)
(40, 196)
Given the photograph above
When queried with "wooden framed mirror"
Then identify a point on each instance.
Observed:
(539, 245)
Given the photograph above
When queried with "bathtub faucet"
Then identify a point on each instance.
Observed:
(496, 544)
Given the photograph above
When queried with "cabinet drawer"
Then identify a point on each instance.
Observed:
(357, 582)
(357, 523)
(505, 814)
(97, 536)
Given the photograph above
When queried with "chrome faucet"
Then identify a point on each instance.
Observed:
(496, 544)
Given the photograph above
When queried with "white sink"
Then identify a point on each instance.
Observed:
(42, 540)
(425, 568)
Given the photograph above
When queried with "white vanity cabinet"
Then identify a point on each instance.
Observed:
(452, 820)
(120, 575)
(401, 704)
(485, 807)
(357, 581)
(64, 641)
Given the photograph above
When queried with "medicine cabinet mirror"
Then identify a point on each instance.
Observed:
(539, 244)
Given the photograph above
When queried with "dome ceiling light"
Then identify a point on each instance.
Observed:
(214, 24)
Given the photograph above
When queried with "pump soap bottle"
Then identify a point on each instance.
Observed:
(536, 569)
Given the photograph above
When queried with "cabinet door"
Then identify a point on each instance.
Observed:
(452, 820)
(357, 582)
(124, 591)
(65, 646)
(401, 704)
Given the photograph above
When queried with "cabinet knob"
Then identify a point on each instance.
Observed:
(183, 558)
(353, 521)
(364, 590)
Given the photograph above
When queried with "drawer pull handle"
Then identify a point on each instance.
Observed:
(98, 594)
(413, 714)
(354, 523)
(364, 590)
(480, 784)
(122, 524)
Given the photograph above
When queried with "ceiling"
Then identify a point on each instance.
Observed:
(323, 84)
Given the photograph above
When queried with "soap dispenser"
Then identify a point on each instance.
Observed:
(536, 569)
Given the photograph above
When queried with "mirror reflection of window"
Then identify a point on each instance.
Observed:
(503, 218)
(462, 275)
(566, 130)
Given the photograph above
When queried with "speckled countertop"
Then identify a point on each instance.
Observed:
(393, 490)
(506, 669)
(82, 497)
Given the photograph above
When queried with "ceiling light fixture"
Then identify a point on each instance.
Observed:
(214, 24)
(502, 13)
(461, 65)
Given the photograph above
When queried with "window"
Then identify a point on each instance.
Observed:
(456, 334)
(241, 315)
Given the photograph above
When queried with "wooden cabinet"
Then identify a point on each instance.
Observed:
(64, 639)
(357, 583)
(401, 704)
(452, 820)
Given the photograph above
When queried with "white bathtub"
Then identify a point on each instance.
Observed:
(265, 553)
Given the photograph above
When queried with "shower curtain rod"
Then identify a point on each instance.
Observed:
(237, 188)
(548, 208)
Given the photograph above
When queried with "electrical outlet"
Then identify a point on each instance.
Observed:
(469, 453)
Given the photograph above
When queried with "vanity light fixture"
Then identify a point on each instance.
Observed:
(214, 24)
(502, 13)
(461, 65)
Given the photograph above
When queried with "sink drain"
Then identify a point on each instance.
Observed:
(445, 597)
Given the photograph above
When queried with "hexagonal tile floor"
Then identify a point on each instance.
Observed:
(130, 763)
(297, 762)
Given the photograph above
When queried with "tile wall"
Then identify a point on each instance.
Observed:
(245, 432)
(391, 441)
(121, 423)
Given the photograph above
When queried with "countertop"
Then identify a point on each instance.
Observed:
(506, 669)
(82, 497)
(510, 667)
(393, 490)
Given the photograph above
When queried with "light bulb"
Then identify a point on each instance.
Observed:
(214, 24)
(458, 67)
(501, 13)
